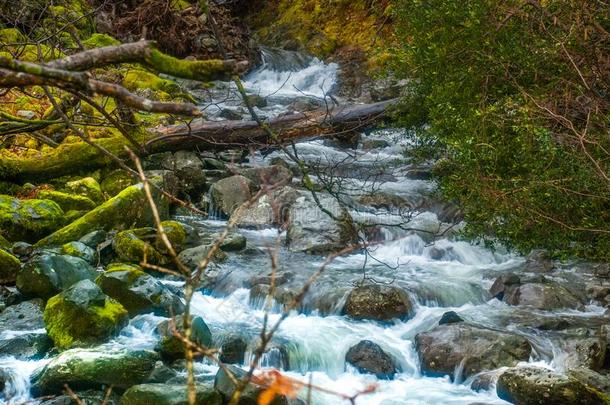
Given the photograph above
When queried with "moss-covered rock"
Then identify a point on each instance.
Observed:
(29, 219)
(132, 246)
(126, 209)
(115, 182)
(4, 244)
(9, 267)
(171, 347)
(138, 79)
(138, 292)
(68, 202)
(79, 249)
(88, 187)
(98, 40)
(83, 315)
(193, 256)
(176, 233)
(47, 274)
(169, 394)
(94, 368)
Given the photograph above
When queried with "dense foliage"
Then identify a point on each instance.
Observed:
(514, 98)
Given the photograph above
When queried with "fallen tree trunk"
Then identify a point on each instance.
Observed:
(73, 158)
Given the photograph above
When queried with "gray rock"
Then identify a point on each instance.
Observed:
(224, 384)
(89, 397)
(188, 168)
(539, 260)
(271, 176)
(230, 193)
(80, 250)
(233, 350)
(590, 378)
(370, 358)
(23, 316)
(171, 347)
(270, 209)
(255, 100)
(378, 302)
(537, 292)
(167, 394)
(93, 239)
(193, 256)
(446, 347)
(229, 114)
(26, 346)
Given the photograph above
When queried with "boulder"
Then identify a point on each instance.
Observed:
(68, 202)
(188, 168)
(83, 315)
(536, 385)
(450, 317)
(115, 182)
(88, 397)
(29, 220)
(81, 250)
(171, 347)
(133, 245)
(378, 302)
(94, 368)
(25, 346)
(138, 292)
(538, 261)
(169, 394)
(270, 209)
(313, 230)
(94, 238)
(88, 187)
(585, 351)
(446, 347)
(128, 208)
(178, 234)
(193, 256)
(26, 316)
(249, 396)
(229, 193)
(539, 293)
(270, 176)
(255, 100)
(233, 350)
(9, 267)
(384, 200)
(229, 114)
(370, 358)
(47, 274)
(232, 242)
(590, 378)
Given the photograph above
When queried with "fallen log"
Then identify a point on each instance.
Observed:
(73, 158)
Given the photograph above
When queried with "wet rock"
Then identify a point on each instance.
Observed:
(225, 385)
(161, 373)
(80, 250)
(214, 164)
(271, 176)
(88, 397)
(26, 315)
(229, 114)
(304, 104)
(370, 358)
(22, 249)
(83, 315)
(255, 100)
(178, 235)
(166, 394)
(229, 193)
(188, 168)
(378, 302)
(9, 267)
(590, 378)
(450, 317)
(369, 144)
(138, 292)
(233, 350)
(94, 238)
(171, 347)
(535, 385)
(9, 296)
(25, 346)
(313, 230)
(232, 242)
(88, 187)
(587, 352)
(384, 200)
(68, 202)
(94, 368)
(538, 261)
(193, 256)
(29, 220)
(47, 274)
(270, 209)
(485, 381)
(539, 293)
(446, 347)
(133, 245)
(503, 284)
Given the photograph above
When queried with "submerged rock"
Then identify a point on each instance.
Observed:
(138, 292)
(83, 315)
(171, 347)
(466, 350)
(29, 220)
(535, 385)
(47, 274)
(378, 302)
(9, 267)
(94, 368)
(169, 394)
(229, 193)
(369, 357)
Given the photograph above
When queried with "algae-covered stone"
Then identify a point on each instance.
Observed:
(131, 246)
(98, 40)
(83, 315)
(88, 187)
(9, 267)
(47, 274)
(68, 202)
(171, 347)
(176, 233)
(79, 249)
(29, 220)
(4, 244)
(94, 368)
(138, 292)
(130, 207)
(116, 182)
(169, 394)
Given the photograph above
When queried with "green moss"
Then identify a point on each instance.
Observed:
(11, 36)
(175, 233)
(9, 267)
(67, 201)
(88, 187)
(137, 79)
(79, 249)
(29, 219)
(204, 70)
(4, 244)
(115, 182)
(98, 40)
(133, 271)
(129, 247)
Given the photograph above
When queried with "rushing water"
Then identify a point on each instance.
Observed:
(316, 342)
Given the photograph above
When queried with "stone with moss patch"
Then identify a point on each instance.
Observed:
(9, 267)
(68, 202)
(115, 182)
(132, 246)
(87, 187)
(176, 233)
(4, 243)
(83, 315)
(171, 347)
(79, 249)
(169, 394)
(29, 220)
(98, 40)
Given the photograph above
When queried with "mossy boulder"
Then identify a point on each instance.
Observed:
(128, 208)
(4, 243)
(378, 302)
(79, 249)
(93, 239)
(115, 182)
(29, 220)
(68, 202)
(88, 187)
(192, 257)
(83, 315)
(98, 40)
(169, 394)
(171, 347)
(9, 267)
(47, 274)
(138, 292)
(132, 246)
(177, 234)
(94, 368)
(137, 79)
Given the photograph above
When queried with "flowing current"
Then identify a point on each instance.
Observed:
(311, 344)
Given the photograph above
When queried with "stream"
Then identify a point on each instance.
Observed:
(440, 275)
